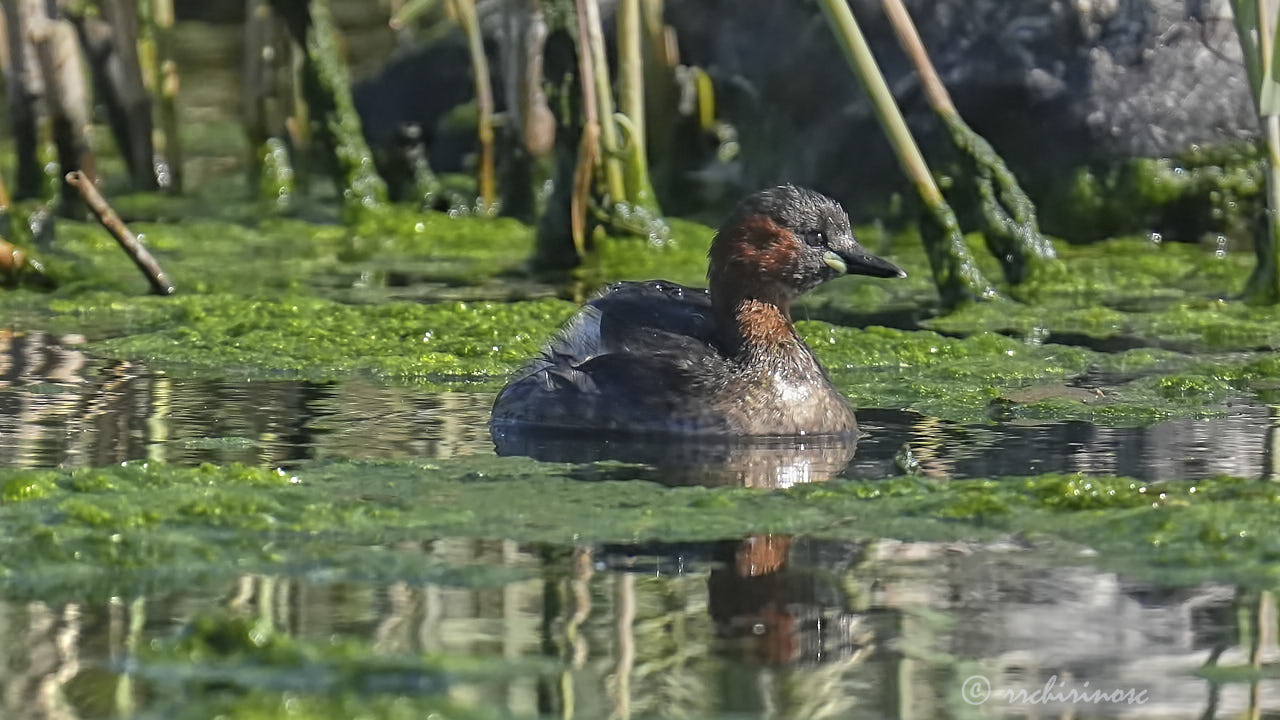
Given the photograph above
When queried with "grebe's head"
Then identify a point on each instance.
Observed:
(781, 242)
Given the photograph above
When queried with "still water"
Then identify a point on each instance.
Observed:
(770, 626)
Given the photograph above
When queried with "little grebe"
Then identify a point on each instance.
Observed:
(656, 357)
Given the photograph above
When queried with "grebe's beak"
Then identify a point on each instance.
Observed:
(854, 260)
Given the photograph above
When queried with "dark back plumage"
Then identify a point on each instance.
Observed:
(629, 360)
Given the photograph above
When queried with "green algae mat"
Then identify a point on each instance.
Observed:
(142, 527)
(465, 586)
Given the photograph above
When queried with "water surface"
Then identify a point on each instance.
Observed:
(766, 625)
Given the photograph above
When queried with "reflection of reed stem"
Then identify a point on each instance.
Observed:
(1264, 636)
(582, 571)
(158, 418)
(124, 699)
(391, 628)
(428, 635)
(1271, 447)
(266, 592)
(625, 607)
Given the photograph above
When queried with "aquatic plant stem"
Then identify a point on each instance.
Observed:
(111, 46)
(529, 132)
(631, 101)
(22, 90)
(266, 99)
(167, 89)
(913, 46)
(589, 154)
(160, 282)
(486, 177)
(1012, 230)
(326, 87)
(955, 273)
(1263, 286)
(661, 93)
(66, 93)
(561, 228)
(1254, 26)
(160, 76)
(593, 48)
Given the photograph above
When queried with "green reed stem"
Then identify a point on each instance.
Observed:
(954, 271)
(1011, 228)
(631, 99)
(593, 45)
(1254, 26)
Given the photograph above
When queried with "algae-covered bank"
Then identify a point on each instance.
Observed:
(275, 493)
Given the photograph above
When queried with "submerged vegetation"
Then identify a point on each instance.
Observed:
(94, 533)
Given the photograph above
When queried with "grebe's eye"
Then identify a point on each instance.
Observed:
(815, 238)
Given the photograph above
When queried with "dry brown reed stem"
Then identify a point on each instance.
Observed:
(589, 155)
(592, 44)
(588, 147)
(160, 282)
(911, 43)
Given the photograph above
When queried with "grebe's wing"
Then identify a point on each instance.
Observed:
(628, 359)
(633, 318)
(654, 316)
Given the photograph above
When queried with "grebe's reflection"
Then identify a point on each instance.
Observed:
(768, 463)
(769, 595)
(774, 599)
